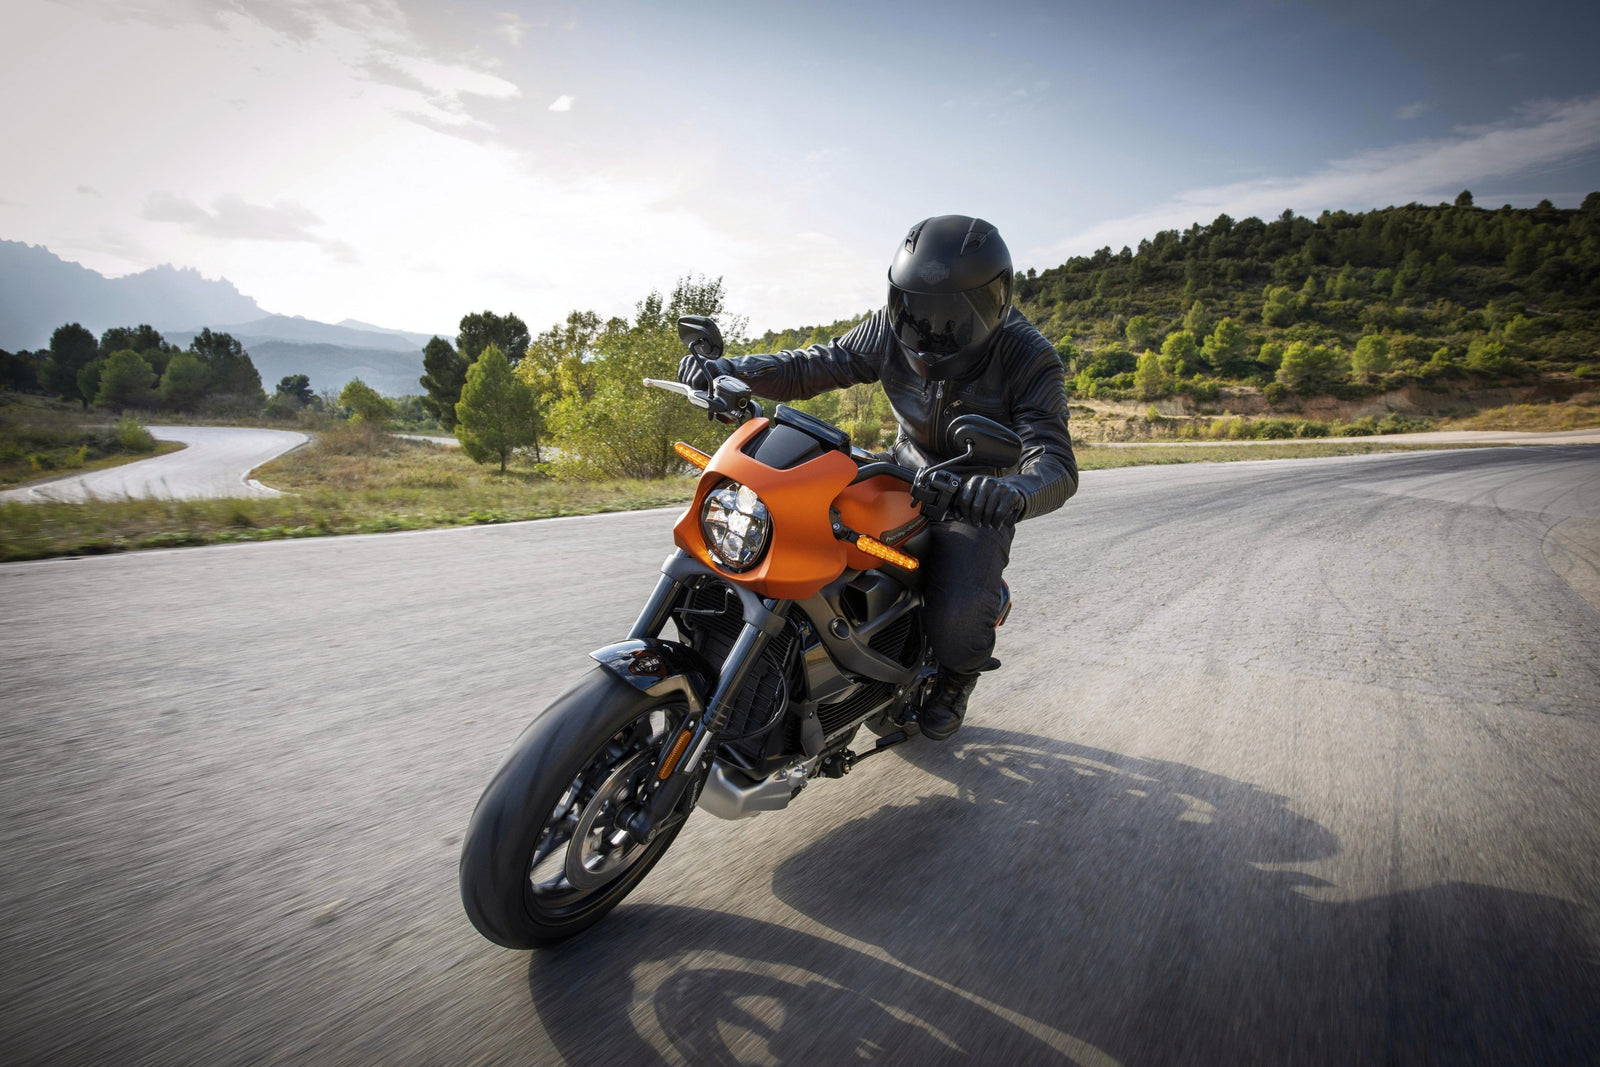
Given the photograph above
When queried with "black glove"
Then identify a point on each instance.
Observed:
(989, 502)
(697, 372)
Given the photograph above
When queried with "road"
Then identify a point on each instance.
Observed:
(216, 463)
(1289, 762)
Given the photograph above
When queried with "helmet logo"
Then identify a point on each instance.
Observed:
(933, 272)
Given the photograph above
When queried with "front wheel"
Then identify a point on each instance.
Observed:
(545, 856)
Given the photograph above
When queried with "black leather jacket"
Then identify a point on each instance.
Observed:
(1020, 383)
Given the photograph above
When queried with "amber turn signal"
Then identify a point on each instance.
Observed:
(675, 754)
(873, 547)
(691, 454)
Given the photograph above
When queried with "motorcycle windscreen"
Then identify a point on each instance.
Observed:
(942, 324)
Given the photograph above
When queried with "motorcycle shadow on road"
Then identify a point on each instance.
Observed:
(1072, 905)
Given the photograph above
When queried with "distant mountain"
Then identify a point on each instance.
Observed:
(308, 331)
(418, 339)
(39, 291)
(390, 372)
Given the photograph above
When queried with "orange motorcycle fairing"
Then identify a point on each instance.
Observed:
(803, 555)
(881, 508)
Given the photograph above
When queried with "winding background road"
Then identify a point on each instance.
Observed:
(1289, 761)
(216, 463)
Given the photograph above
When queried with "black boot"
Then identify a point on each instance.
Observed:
(946, 704)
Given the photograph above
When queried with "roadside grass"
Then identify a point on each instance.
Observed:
(351, 480)
(42, 439)
(1095, 457)
(1578, 413)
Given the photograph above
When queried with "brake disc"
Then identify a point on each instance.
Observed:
(593, 858)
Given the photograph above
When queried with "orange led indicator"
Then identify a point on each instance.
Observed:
(691, 454)
(873, 547)
(674, 754)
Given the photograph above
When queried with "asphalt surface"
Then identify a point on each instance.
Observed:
(216, 463)
(1290, 762)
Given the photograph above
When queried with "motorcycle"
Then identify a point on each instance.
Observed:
(795, 594)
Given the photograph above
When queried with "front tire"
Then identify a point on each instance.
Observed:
(538, 865)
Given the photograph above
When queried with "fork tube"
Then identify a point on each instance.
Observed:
(736, 668)
(657, 610)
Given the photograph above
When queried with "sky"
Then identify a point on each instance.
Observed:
(403, 162)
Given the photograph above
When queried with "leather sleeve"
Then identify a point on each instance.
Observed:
(801, 374)
(1048, 474)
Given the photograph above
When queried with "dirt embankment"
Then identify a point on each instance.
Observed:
(1128, 420)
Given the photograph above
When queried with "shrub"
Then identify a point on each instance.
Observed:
(133, 437)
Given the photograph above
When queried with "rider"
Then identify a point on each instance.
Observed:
(948, 343)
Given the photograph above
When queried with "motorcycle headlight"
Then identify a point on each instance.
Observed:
(736, 525)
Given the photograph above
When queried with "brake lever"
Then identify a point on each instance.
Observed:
(694, 396)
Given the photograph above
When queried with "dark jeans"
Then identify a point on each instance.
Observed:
(961, 590)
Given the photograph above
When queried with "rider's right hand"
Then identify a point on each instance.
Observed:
(697, 372)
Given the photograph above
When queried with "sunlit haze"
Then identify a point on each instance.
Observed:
(402, 162)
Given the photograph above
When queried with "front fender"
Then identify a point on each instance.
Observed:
(656, 666)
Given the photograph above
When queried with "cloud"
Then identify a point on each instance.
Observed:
(1541, 134)
(232, 218)
(88, 190)
(563, 103)
(512, 28)
(1412, 111)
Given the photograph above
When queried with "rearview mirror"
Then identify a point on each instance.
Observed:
(700, 335)
(991, 444)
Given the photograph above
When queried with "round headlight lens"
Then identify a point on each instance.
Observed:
(736, 525)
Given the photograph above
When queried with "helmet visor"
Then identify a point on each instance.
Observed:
(935, 325)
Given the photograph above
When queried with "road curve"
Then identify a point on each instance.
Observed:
(216, 463)
(1289, 762)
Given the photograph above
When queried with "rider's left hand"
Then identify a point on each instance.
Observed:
(698, 372)
(988, 501)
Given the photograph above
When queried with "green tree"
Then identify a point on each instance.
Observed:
(1370, 359)
(1464, 198)
(497, 413)
(89, 381)
(125, 381)
(484, 328)
(231, 376)
(1270, 355)
(1150, 379)
(1306, 367)
(19, 371)
(1486, 355)
(143, 339)
(1225, 349)
(611, 424)
(365, 403)
(1141, 331)
(1181, 352)
(183, 385)
(1197, 320)
(72, 347)
(296, 387)
(444, 373)
(1277, 305)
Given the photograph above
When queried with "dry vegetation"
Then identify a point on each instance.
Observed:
(1581, 412)
(352, 480)
(1093, 457)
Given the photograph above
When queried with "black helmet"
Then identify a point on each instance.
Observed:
(949, 287)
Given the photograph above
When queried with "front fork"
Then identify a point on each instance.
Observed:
(680, 761)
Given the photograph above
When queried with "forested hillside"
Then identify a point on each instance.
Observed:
(1347, 303)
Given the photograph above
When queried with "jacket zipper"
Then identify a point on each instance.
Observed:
(938, 421)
